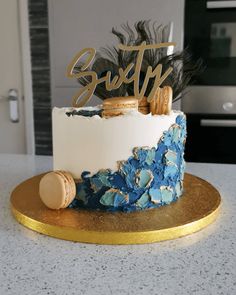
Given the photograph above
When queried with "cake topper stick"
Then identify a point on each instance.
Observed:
(85, 93)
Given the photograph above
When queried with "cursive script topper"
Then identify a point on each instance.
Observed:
(111, 83)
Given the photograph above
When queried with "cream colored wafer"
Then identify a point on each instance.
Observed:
(144, 106)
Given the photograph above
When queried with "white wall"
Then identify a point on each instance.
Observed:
(87, 23)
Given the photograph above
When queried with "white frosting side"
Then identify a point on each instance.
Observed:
(94, 143)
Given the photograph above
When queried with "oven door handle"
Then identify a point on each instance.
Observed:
(218, 123)
(221, 4)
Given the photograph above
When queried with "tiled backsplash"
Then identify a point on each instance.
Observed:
(38, 20)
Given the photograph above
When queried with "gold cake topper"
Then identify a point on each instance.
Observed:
(85, 93)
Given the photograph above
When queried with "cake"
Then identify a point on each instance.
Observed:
(126, 154)
(123, 163)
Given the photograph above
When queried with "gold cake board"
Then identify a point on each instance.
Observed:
(197, 208)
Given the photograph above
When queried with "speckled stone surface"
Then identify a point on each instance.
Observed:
(202, 263)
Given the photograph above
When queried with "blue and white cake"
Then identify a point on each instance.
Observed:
(124, 163)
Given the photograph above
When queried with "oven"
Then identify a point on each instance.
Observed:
(210, 104)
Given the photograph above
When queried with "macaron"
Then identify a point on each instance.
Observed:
(155, 102)
(166, 100)
(116, 106)
(161, 104)
(144, 106)
(57, 189)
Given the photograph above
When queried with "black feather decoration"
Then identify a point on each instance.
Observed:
(112, 58)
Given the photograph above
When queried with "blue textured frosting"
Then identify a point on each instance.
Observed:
(150, 178)
(85, 113)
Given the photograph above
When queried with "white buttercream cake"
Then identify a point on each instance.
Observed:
(94, 143)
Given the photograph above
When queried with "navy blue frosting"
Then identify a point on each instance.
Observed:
(150, 178)
(85, 113)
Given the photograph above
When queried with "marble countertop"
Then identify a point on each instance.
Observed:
(202, 263)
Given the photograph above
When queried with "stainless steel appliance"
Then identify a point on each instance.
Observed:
(210, 104)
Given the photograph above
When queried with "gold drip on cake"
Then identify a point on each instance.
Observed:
(197, 208)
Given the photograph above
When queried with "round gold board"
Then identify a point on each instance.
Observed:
(197, 208)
